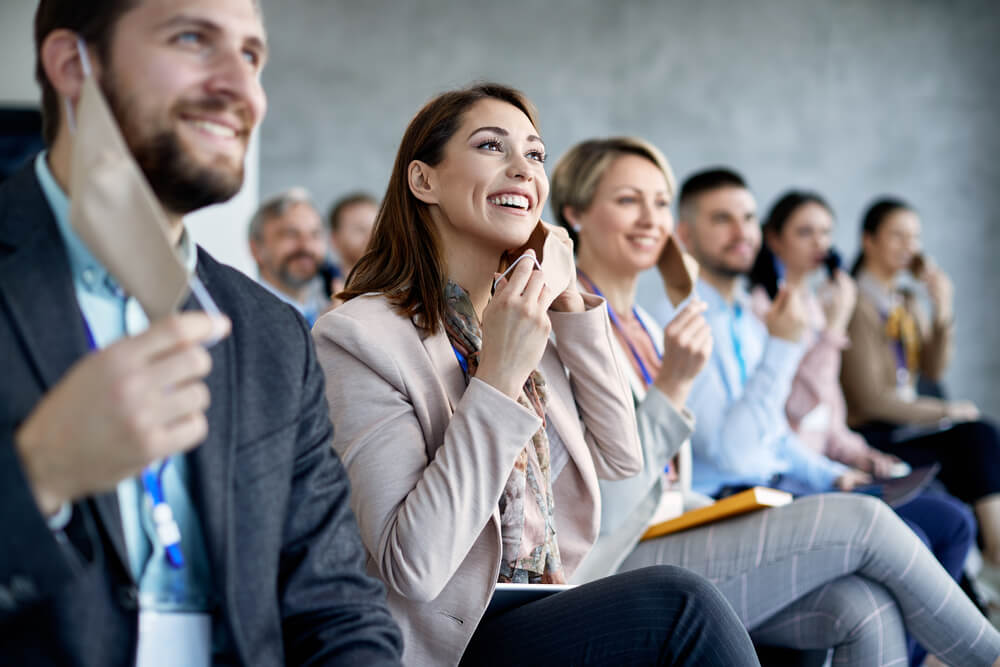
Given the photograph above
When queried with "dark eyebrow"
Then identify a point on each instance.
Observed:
(504, 133)
(253, 42)
(495, 130)
(185, 19)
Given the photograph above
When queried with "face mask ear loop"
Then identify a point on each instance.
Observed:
(511, 268)
(81, 49)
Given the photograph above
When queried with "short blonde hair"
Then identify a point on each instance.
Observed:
(576, 175)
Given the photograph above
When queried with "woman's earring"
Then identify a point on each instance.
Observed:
(576, 228)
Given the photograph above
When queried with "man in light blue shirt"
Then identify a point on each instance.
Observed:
(743, 437)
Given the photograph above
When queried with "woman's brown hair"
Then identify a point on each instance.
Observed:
(403, 260)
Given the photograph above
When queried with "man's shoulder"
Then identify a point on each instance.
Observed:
(369, 322)
(259, 318)
(20, 195)
(234, 289)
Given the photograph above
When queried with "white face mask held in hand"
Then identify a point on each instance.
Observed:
(552, 258)
(113, 209)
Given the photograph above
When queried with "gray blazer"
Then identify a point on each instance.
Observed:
(286, 561)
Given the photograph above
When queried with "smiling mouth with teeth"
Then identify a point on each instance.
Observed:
(215, 129)
(511, 201)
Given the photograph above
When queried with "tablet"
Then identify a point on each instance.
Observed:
(509, 596)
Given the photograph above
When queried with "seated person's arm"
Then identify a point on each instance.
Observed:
(330, 607)
(404, 499)
(586, 346)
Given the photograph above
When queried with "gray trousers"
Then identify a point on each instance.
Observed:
(832, 570)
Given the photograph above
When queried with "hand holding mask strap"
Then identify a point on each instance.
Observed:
(553, 259)
(113, 209)
(679, 271)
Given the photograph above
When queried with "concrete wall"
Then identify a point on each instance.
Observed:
(853, 98)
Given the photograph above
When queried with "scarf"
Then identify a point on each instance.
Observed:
(901, 328)
(530, 553)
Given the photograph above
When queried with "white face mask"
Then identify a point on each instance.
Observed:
(113, 209)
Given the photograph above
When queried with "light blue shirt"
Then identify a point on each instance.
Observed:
(738, 400)
(110, 315)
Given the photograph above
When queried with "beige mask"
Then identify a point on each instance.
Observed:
(679, 271)
(552, 257)
(113, 209)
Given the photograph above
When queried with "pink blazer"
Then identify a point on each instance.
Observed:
(428, 457)
(817, 385)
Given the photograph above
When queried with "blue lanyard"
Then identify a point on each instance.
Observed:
(646, 376)
(737, 347)
(461, 360)
(167, 530)
(741, 363)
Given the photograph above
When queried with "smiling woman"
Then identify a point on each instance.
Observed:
(473, 443)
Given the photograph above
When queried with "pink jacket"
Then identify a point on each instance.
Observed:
(816, 408)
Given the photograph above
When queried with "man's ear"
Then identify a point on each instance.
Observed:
(61, 63)
(256, 250)
(422, 180)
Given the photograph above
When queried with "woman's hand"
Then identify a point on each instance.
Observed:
(852, 479)
(570, 300)
(515, 329)
(839, 297)
(787, 318)
(880, 464)
(941, 292)
(687, 346)
(962, 411)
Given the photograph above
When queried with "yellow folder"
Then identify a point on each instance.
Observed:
(740, 503)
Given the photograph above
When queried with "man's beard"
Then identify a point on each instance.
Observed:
(720, 267)
(291, 280)
(181, 184)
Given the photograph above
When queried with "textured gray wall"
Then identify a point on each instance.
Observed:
(850, 97)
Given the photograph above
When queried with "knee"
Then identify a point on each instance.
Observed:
(862, 608)
(982, 435)
(679, 585)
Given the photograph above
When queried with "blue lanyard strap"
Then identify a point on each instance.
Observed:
(737, 346)
(737, 352)
(616, 323)
(167, 530)
(461, 360)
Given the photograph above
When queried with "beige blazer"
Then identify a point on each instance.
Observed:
(868, 368)
(428, 457)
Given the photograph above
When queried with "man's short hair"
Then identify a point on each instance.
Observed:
(94, 21)
(706, 181)
(344, 203)
(275, 207)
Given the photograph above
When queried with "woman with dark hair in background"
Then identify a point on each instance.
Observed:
(797, 243)
(792, 573)
(893, 344)
(473, 443)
